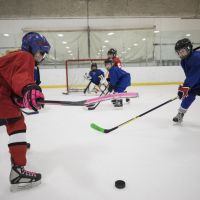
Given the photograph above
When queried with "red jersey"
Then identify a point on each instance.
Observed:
(117, 62)
(16, 72)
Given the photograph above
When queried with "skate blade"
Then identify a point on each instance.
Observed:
(118, 107)
(24, 186)
(177, 123)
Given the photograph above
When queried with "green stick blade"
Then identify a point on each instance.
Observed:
(97, 128)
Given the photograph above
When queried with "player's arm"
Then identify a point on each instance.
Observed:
(22, 73)
(193, 77)
(113, 80)
(101, 77)
(118, 62)
(23, 83)
(87, 76)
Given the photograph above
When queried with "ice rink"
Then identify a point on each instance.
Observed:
(158, 159)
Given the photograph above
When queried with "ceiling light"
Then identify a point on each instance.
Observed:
(60, 35)
(6, 35)
(64, 42)
(67, 47)
(129, 48)
(156, 31)
(69, 51)
(111, 33)
(143, 39)
(103, 46)
(106, 41)
(188, 35)
(136, 44)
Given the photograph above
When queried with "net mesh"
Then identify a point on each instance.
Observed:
(75, 71)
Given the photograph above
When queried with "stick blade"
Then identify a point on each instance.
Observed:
(97, 128)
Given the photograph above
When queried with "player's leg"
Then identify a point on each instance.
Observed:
(185, 104)
(19, 177)
(16, 129)
(119, 102)
(93, 88)
(120, 88)
(103, 84)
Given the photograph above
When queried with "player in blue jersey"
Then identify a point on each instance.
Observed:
(97, 78)
(96, 74)
(190, 62)
(119, 80)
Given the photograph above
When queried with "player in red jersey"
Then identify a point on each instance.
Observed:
(112, 54)
(18, 89)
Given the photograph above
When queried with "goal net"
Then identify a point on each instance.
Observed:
(75, 71)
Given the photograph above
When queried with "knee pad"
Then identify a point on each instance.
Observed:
(16, 126)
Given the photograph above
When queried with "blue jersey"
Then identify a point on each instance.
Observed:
(95, 76)
(119, 78)
(191, 67)
(37, 75)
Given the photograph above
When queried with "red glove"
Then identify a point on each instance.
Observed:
(32, 94)
(183, 91)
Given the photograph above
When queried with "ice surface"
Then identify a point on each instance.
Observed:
(157, 159)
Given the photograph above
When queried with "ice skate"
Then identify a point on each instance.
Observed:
(127, 100)
(179, 117)
(113, 101)
(21, 179)
(118, 103)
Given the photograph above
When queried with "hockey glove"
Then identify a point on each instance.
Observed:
(183, 91)
(102, 79)
(111, 88)
(87, 77)
(31, 95)
(108, 79)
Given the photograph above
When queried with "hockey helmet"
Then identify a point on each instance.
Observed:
(34, 42)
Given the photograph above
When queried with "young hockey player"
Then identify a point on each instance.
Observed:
(112, 54)
(190, 62)
(96, 76)
(18, 89)
(119, 80)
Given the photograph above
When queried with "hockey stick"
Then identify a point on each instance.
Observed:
(64, 103)
(91, 101)
(30, 113)
(103, 130)
(87, 87)
(92, 107)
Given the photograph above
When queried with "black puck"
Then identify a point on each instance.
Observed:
(120, 184)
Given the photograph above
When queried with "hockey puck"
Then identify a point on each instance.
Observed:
(120, 184)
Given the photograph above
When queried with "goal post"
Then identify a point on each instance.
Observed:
(75, 71)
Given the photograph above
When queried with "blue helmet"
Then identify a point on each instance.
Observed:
(33, 42)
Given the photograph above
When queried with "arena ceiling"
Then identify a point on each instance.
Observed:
(99, 8)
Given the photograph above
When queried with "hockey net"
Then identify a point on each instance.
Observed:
(75, 71)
